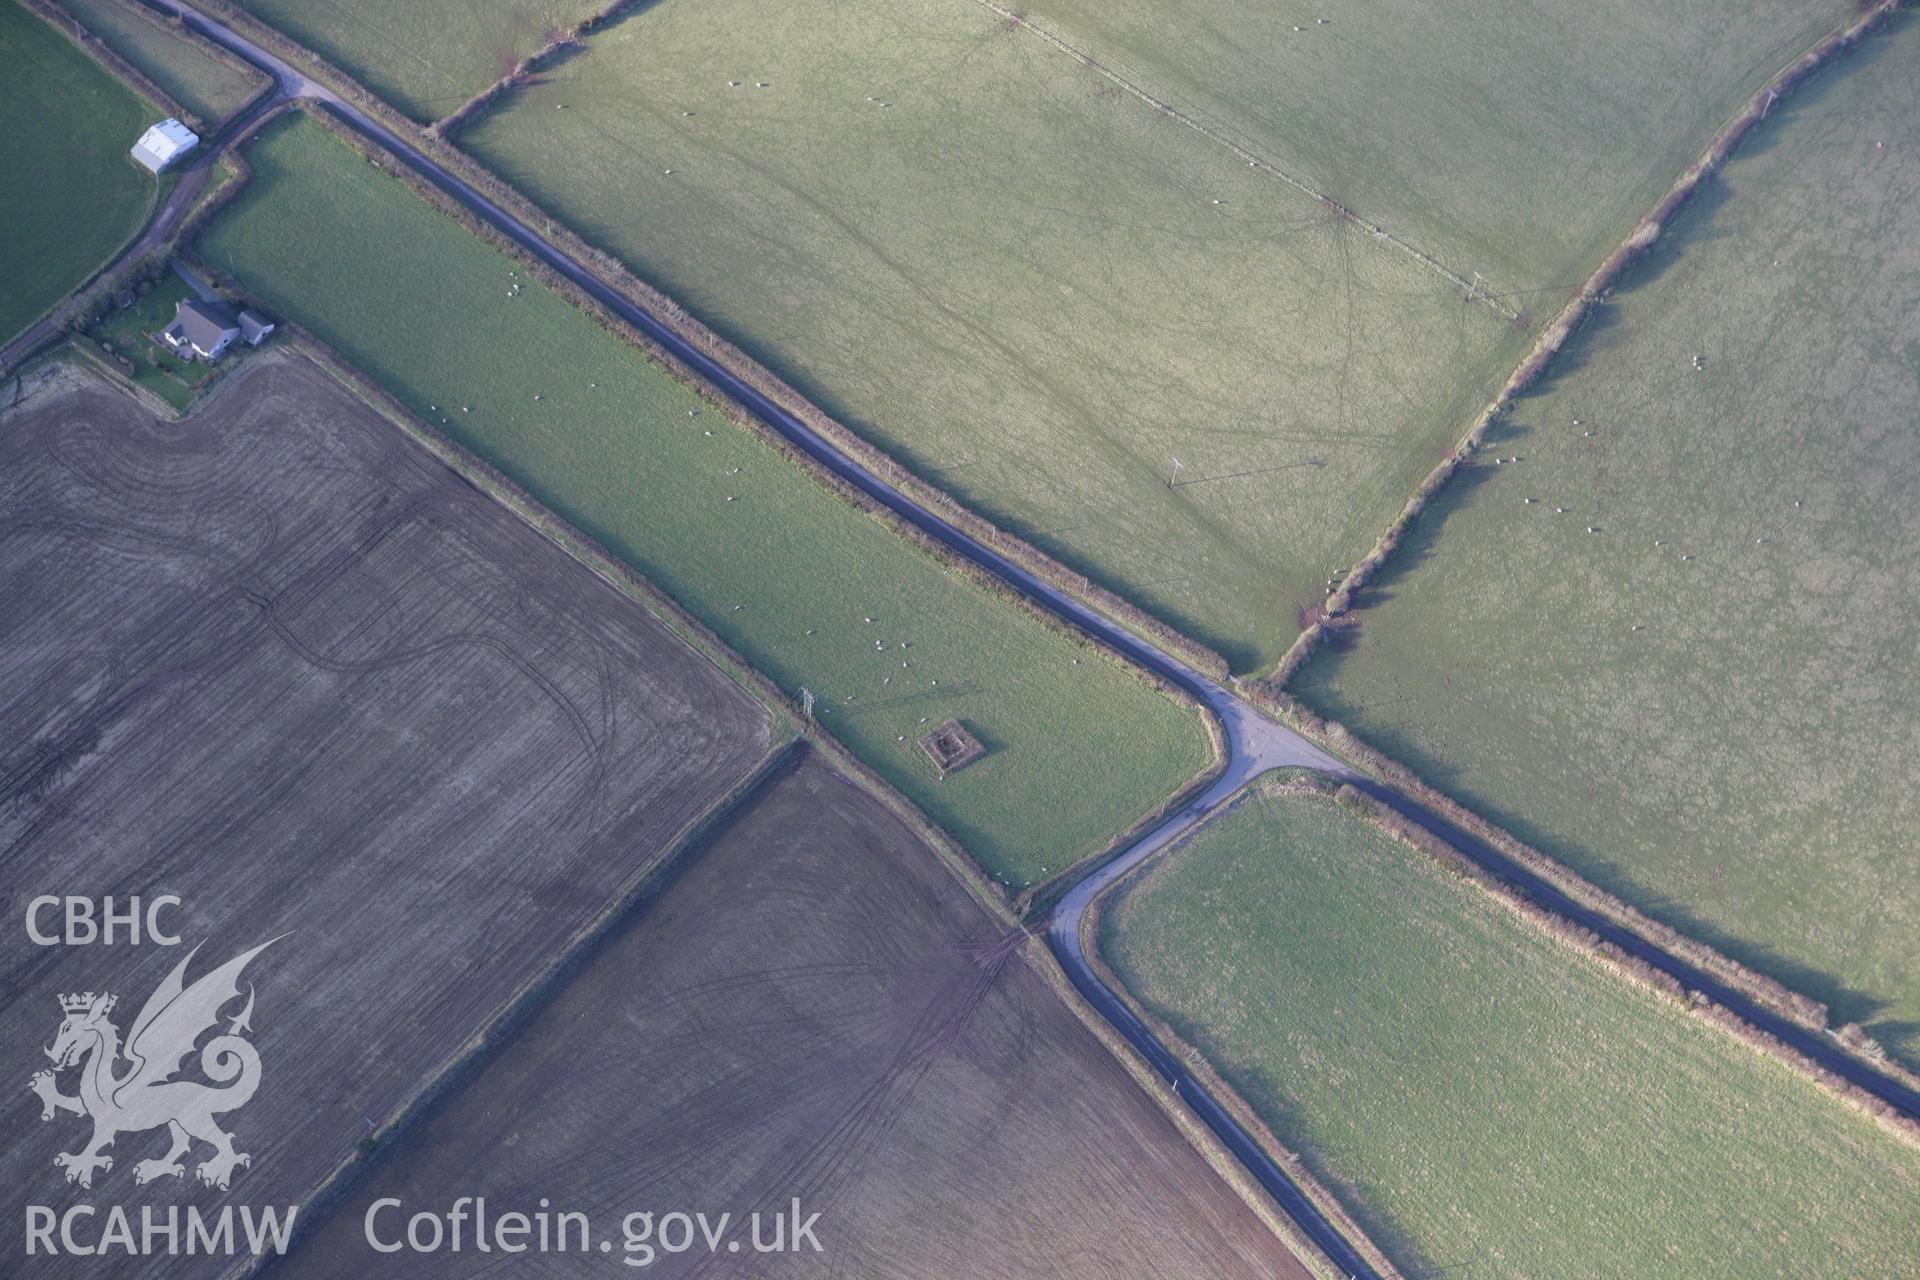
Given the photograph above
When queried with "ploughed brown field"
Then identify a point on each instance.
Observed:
(278, 660)
(809, 1007)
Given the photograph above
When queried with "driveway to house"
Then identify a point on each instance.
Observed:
(192, 181)
(1255, 742)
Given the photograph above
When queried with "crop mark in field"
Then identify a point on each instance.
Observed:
(1475, 289)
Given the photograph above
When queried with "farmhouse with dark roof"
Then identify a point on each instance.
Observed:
(202, 328)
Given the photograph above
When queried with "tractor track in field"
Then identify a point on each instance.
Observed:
(1255, 742)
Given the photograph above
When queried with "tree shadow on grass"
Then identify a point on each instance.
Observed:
(1899, 1037)
(1422, 539)
(1704, 218)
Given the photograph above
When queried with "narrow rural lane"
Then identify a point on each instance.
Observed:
(1255, 742)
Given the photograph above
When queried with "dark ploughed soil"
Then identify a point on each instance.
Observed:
(279, 661)
(811, 1006)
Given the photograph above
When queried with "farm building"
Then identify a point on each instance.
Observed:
(254, 326)
(203, 328)
(164, 143)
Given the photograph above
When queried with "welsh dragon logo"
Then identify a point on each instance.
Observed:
(144, 1095)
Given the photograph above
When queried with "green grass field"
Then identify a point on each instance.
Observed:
(73, 195)
(808, 589)
(1707, 706)
(425, 59)
(1025, 283)
(210, 87)
(1489, 1101)
(1514, 139)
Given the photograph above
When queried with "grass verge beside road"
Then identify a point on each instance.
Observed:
(1480, 1094)
(810, 590)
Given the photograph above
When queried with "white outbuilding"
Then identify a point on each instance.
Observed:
(164, 143)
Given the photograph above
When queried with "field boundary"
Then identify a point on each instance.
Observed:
(497, 1030)
(85, 348)
(94, 47)
(1591, 294)
(1581, 941)
(619, 277)
(562, 41)
(484, 476)
(1902, 1128)
(1770, 993)
(142, 83)
(979, 578)
(502, 489)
